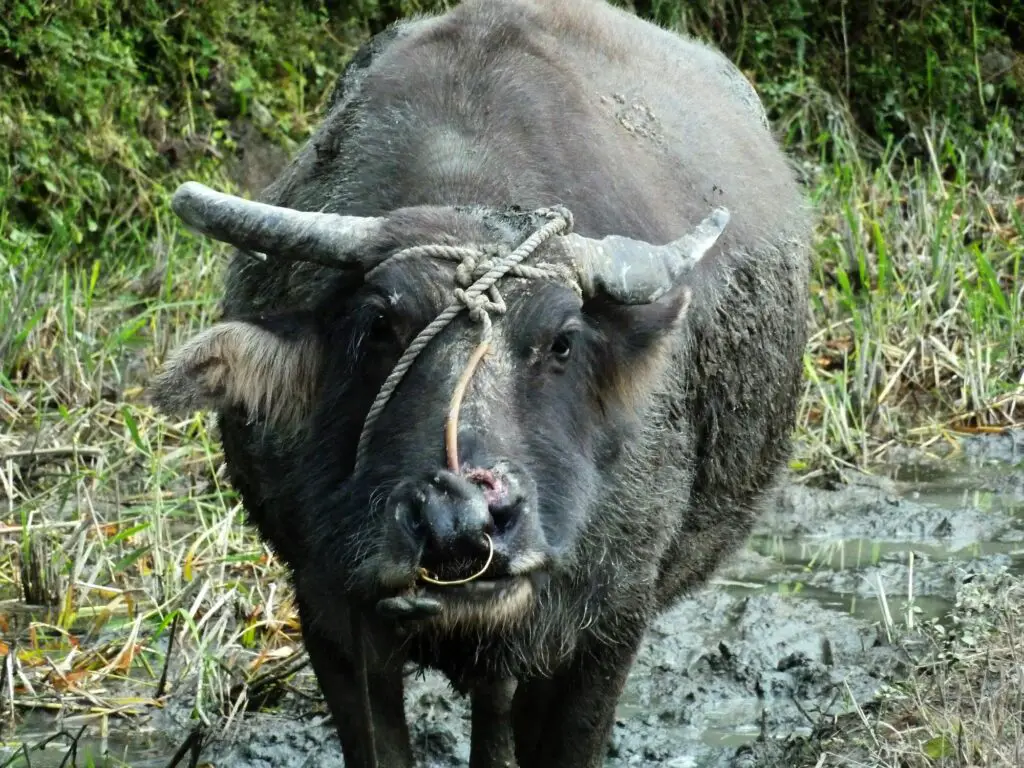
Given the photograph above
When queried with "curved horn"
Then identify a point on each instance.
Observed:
(634, 272)
(325, 238)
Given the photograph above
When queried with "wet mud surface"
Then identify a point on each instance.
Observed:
(790, 630)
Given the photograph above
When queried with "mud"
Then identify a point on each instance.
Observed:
(790, 630)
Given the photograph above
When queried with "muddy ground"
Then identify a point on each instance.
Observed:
(789, 631)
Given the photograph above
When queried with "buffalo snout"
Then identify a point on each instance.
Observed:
(448, 518)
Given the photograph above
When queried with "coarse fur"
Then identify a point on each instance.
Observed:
(271, 370)
(647, 457)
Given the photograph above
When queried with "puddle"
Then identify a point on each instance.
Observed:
(790, 630)
(120, 749)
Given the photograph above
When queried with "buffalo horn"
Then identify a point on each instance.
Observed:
(635, 272)
(325, 238)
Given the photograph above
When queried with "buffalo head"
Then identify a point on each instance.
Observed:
(568, 370)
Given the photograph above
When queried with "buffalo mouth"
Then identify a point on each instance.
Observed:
(485, 587)
(466, 579)
(498, 596)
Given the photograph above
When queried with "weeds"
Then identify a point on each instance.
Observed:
(962, 703)
(917, 300)
(115, 526)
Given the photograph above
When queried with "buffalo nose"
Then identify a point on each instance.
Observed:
(449, 516)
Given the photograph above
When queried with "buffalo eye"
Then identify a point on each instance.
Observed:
(381, 329)
(561, 347)
(380, 325)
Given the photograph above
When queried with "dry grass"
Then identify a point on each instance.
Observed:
(918, 301)
(962, 703)
(116, 525)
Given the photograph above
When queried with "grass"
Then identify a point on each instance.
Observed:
(917, 299)
(960, 705)
(116, 523)
(117, 531)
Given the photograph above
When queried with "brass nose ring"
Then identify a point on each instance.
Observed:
(490, 556)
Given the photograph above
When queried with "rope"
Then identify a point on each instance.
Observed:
(480, 267)
(486, 265)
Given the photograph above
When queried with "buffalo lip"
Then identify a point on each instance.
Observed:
(482, 588)
(408, 607)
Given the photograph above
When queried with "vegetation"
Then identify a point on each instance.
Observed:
(115, 523)
(962, 703)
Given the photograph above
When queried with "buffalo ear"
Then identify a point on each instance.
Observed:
(270, 368)
(637, 344)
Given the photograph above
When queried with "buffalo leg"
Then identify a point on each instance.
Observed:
(338, 681)
(491, 742)
(566, 721)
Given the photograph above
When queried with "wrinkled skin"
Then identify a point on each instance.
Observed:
(614, 454)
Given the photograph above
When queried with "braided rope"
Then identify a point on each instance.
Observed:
(486, 265)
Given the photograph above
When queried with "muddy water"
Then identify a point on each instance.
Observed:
(792, 629)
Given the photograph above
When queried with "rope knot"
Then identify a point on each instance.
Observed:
(476, 275)
(559, 212)
(479, 306)
(475, 263)
(465, 271)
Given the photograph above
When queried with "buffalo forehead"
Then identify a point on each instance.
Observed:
(427, 285)
(532, 307)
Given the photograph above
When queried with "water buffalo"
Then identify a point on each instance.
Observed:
(512, 512)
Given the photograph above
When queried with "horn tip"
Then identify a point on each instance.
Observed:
(189, 200)
(190, 189)
(187, 193)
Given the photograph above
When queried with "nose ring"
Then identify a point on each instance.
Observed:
(490, 556)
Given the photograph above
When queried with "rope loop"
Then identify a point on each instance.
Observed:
(479, 269)
(465, 272)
